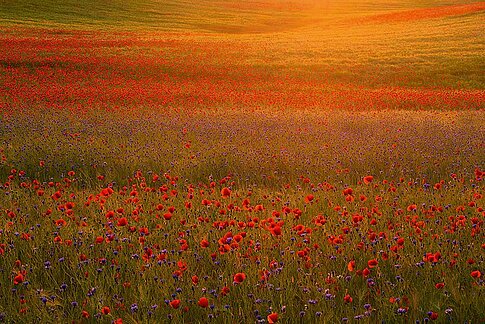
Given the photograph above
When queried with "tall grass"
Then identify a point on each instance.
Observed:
(311, 161)
(326, 146)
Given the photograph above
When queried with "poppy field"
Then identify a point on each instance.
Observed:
(237, 162)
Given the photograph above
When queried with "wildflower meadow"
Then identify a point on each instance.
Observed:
(268, 161)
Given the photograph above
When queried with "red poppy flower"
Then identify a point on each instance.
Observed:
(224, 291)
(351, 266)
(195, 280)
(411, 207)
(110, 214)
(348, 191)
(272, 318)
(347, 298)
(276, 230)
(258, 208)
(122, 221)
(204, 243)
(175, 303)
(225, 192)
(372, 263)
(239, 277)
(309, 198)
(368, 179)
(476, 274)
(18, 279)
(61, 222)
(203, 302)
(56, 195)
(105, 310)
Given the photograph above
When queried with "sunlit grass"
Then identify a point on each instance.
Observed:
(229, 161)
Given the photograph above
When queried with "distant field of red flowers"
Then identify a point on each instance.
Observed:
(260, 161)
(78, 70)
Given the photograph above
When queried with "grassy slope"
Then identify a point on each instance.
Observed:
(223, 16)
(322, 40)
(328, 45)
(162, 15)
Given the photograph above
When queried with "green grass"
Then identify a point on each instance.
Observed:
(169, 102)
(322, 41)
(163, 15)
(427, 145)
